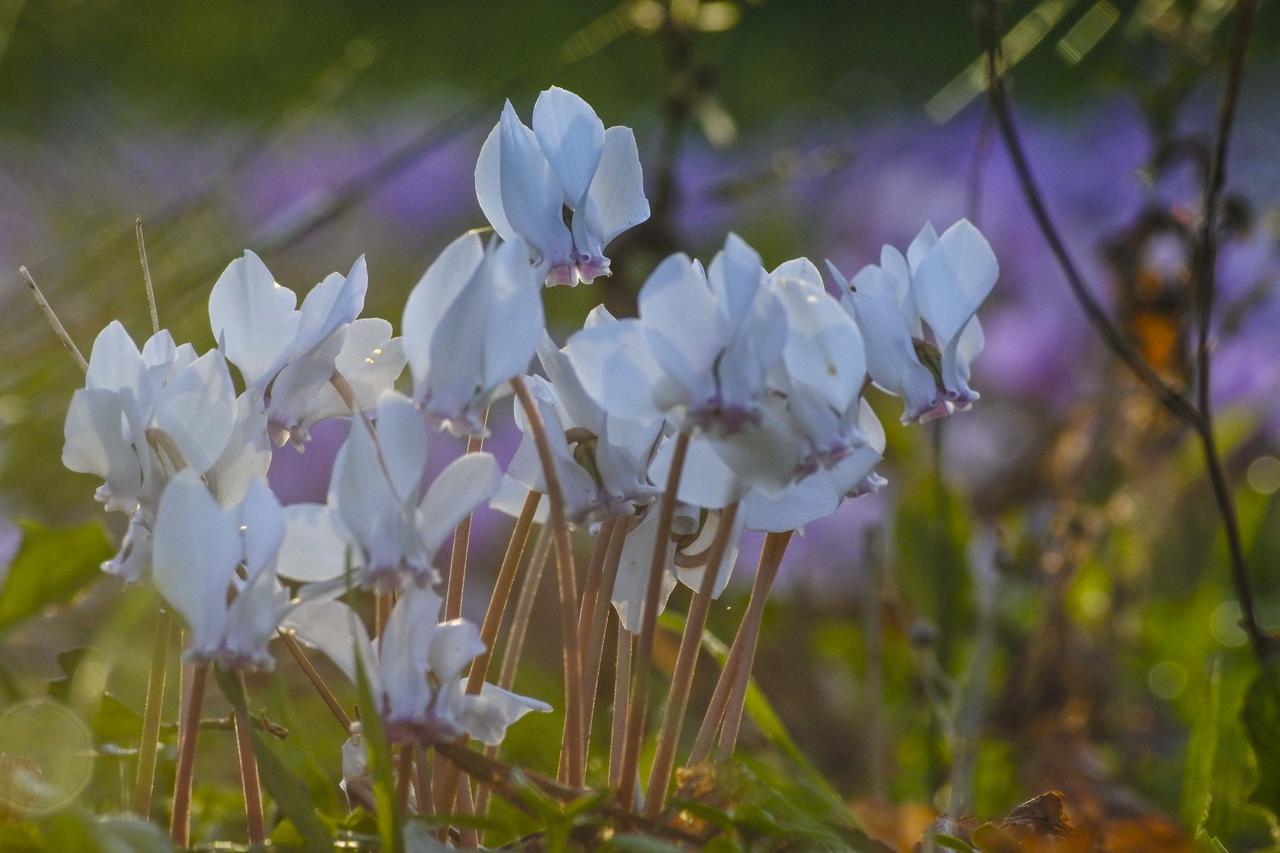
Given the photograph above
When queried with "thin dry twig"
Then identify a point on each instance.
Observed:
(1198, 417)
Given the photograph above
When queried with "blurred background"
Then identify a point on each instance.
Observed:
(1039, 600)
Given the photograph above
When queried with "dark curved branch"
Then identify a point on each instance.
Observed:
(1198, 417)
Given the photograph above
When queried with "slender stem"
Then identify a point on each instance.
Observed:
(714, 716)
(52, 319)
(422, 786)
(567, 583)
(621, 681)
(1097, 316)
(404, 776)
(524, 610)
(586, 613)
(382, 604)
(318, 682)
(151, 714)
(249, 770)
(468, 837)
(1200, 417)
(491, 626)
(593, 648)
(459, 549)
(686, 661)
(776, 545)
(180, 821)
(1205, 270)
(146, 275)
(873, 560)
(502, 587)
(516, 635)
(638, 705)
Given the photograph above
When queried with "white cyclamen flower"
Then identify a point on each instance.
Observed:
(415, 668)
(823, 367)
(471, 324)
(378, 511)
(602, 460)
(198, 547)
(528, 180)
(700, 351)
(940, 284)
(142, 416)
(288, 356)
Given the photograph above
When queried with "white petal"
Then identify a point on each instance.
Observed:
(891, 355)
(252, 620)
(115, 363)
(616, 200)
(247, 455)
(808, 500)
(581, 409)
(335, 629)
(633, 572)
(952, 280)
(487, 716)
(679, 314)
(735, 275)
(262, 524)
(402, 435)
(707, 480)
(332, 303)
(195, 551)
(824, 350)
(571, 136)
(313, 548)
(531, 196)
(95, 443)
(616, 368)
(489, 184)
(431, 296)
(197, 409)
(514, 322)
(465, 484)
(254, 318)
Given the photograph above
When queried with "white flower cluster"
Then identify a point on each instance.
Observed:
(763, 371)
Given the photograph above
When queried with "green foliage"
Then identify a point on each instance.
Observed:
(379, 754)
(52, 565)
(1261, 719)
(1197, 783)
(288, 791)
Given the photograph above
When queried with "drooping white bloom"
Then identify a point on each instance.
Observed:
(819, 493)
(940, 284)
(378, 511)
(142, 416)
(527, 179)
(415, 668)
(288, 355)
(602, 460)
(198, 547)
(471, 324)
(823, 367)
(700, 351)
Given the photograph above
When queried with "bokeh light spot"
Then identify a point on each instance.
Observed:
(46, 757)
(1167, 679)
(1263, 475)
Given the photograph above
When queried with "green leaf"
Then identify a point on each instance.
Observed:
(950, 842)
(1202, 747)
(76, 829)
(1260, 716)
(379, 753)
(51, 566)
(287, 790)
